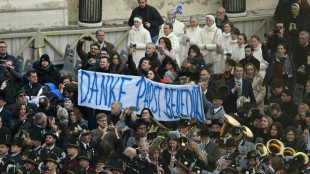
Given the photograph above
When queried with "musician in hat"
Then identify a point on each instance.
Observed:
(72, 158)
(16, 149)
(4, 153)
(52, 162)
(84, 162)
(183, 126)
(73, 170)
(118, 167)
(36, 142)
(235, 133)
(140, 126)
(31, 164)
(87, 145)
(211, 148)
(252, 159)
(50, 140)
(186, 162)
(216, 111)
(231, 169)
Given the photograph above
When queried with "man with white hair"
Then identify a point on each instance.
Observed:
(116, 110)
(221, 18)
(178, 26)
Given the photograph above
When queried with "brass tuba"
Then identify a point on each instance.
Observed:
(229, 123)
(275, 147)
(305, 157)
(245, 132)
(156, 127)
(288, 152)
(261, 148)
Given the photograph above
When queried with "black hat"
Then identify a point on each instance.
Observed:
(290, 165)
(36, 136)
(230, 143)
(84, 155)
(140, 121)
(187, 158)
(5, 143)
(72, 142)
(84, 132)
(53, 133)
(53, 158)
(2, 95)
(45, 57)
(235, 131)
(27, 151)
(216, 121)
(256, 114)
(231, 168)
(251, 154)
(204, 132)
(196, 170)
(184, 122)
(118, 166)
(32, 158)
(73, 170)
(103, 159)
(109, 164)
(18, 141)
(218, 96)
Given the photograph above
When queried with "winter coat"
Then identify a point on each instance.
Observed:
(174, 43)
(197, 64)
(139, 36)
(195, 37)
(48, 75)
(263, 63)
(238, 52)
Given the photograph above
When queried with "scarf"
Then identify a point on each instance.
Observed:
(287, 68)
(226, 34)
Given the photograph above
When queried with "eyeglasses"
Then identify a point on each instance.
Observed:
(3, 47)
(22, 95)
(102, 120)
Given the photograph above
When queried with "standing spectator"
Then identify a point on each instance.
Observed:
(145, 64)
(238, 52)
(277, 36)
(178, 26)
(5, 114)
(116, 110)
(239, 87)
(191, 36)
(256, 79)
(165, 49)
(33, 87)
(210, 36)
(20, 120)
(46, 71)
(295, 23)
(5, 56)
(307, 93)
(138, 37)
(249, 57)
(151, 18)
(255, 41)
(102, 120)
(103, 66)
(221, 18)
(152, 55)
(103, 43)
(227, 43)
(90, 58)
(299, 57)
(10, 82)
(283, 9)
(175, 44)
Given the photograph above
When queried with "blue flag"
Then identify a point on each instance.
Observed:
(178, 10)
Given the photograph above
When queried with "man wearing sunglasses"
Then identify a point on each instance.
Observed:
(276, 36)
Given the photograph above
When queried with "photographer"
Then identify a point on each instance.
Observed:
(90, 58)
(10, 82)
(276, 36)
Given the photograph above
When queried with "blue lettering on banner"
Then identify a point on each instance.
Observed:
(167, 102)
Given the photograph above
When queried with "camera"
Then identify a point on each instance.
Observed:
(88, 38)
(44, 168)
(111, 129)
(276, 31)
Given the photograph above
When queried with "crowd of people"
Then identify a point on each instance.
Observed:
(254, 121)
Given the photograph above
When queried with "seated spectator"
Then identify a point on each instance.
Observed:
(76, 119)
(10, 82)
(65, 79)
(193, 65)
(88, 59)
(168, 64)
(46, 71)
(165, 49)
(145, 65)
(150, 53)
(138, 37)
(33, 87)
(153, 75)
(20, 119)
(5, 56)
(168, 33)
(256, 79)
(276, 130)
(116, 63)
(170, 77)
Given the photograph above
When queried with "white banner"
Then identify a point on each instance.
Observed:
(167, 102)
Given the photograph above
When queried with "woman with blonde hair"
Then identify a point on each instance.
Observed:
(202, 157)
(265, 123)
(256, 79)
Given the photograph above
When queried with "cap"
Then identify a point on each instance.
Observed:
(184, 122)
(204, 132)
(45, 57)
(230, 143)
(53, 133)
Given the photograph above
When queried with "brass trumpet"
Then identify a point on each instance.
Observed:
(245, 132)
(305, 157)
(275, 147)
(156, 127)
